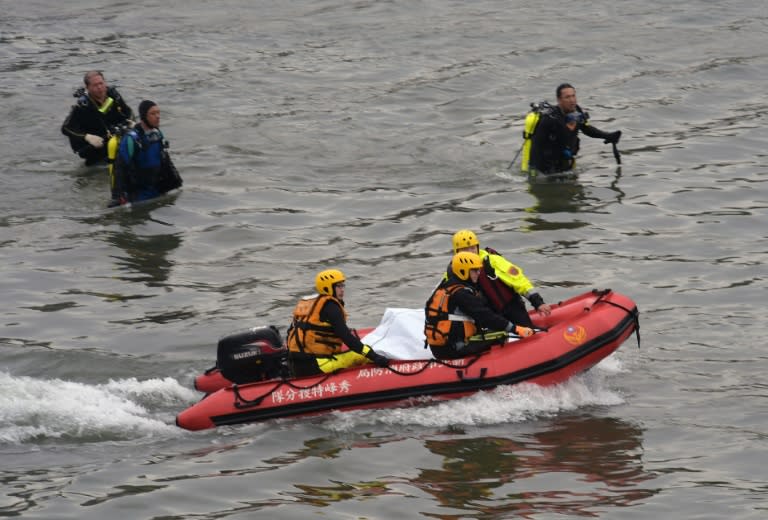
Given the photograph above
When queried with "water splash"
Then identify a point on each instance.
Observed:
(37, 410)
(505, 404)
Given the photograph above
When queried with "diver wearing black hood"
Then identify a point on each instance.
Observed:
(143, 168)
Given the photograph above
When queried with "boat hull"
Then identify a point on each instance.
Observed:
(578, 334)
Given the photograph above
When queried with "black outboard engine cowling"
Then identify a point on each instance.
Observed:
(252, 355)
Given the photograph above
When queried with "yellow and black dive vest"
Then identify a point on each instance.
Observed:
(307, 333)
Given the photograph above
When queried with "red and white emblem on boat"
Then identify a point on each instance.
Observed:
(575, 334)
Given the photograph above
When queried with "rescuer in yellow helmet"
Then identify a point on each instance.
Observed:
(502, 282)
(458, 321)
(319, 330)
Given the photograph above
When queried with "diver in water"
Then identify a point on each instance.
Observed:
(555, 140)
(142, 167)
(98, 109)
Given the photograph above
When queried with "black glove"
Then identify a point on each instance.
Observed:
(378, 359)
(536, 300)
(613, 137)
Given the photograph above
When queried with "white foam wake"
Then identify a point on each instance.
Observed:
(505, 404)
(33, 410)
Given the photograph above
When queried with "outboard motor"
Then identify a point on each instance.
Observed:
(253, 355)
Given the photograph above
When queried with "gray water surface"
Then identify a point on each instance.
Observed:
(361, 135)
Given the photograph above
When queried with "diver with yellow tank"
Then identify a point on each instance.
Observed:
(551, 134)
(98, 109)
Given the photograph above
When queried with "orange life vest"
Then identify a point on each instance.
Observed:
(440, 321)
(310, 335)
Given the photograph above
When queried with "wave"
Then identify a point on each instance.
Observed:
(505, 404)
(39, 411)
(36, 410)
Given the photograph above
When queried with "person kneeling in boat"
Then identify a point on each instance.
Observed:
(319, 329)
(458, 321)
(142, 167)
(502, 283)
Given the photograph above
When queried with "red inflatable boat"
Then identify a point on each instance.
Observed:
(577, 335)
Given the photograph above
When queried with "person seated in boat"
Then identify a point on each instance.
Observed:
(555, 140)
(501, 282)
(98, 109)
(319, 329)
(458, 320)
(142, 167)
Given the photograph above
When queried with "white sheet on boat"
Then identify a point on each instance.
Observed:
(400, 335)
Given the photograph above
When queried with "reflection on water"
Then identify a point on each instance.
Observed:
(146, 256)
(565, 194)
(599, 460)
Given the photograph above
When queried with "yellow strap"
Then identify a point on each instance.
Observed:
(104, 108)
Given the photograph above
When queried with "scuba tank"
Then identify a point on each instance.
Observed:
(531, 121)
(112, 146)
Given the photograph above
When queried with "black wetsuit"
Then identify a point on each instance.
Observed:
(554, 146)
(85, 118)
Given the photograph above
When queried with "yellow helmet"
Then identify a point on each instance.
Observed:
(464, 238)
(325, 280)
(463, 262)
